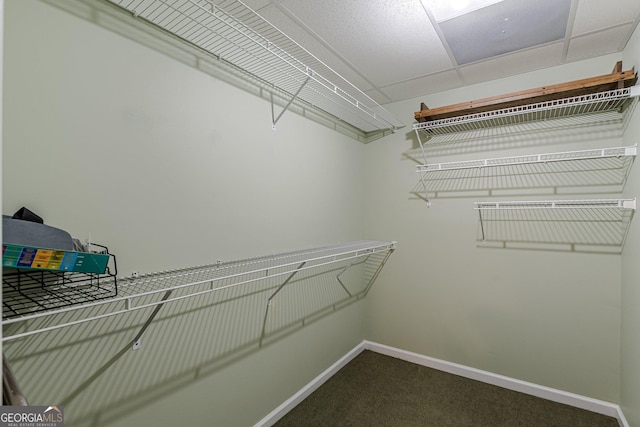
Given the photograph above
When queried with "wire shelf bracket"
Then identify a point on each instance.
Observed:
(286, 107)
(422, 176)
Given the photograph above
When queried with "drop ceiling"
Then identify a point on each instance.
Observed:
(395, 49)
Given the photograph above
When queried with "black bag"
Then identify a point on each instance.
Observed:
(25, 214)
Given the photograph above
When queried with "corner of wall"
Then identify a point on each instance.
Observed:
(630, 292)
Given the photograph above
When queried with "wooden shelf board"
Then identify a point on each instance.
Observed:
(618, 79)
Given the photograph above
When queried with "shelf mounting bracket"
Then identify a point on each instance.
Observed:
(286, 107)
(285, 282)
(266, 311)
(344, 270)
(484, 240)
(424, 159)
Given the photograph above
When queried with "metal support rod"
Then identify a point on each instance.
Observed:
(424, 156)
(424, 188)
(266, 311)
(82, 387)
(344, 270)
(481, 224)
(363, 292)
(275, 120)
(424, 159)
(377, 273)
(285, 282)
(264, 325)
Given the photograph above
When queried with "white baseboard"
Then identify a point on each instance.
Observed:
(572, 399)
(576, 400)
(312, 386)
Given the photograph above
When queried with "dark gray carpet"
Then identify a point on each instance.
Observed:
(378, 390)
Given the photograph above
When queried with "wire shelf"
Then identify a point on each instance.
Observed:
(601, 107)
(575, 225)
(29, 288)
(30, 291)
(236, 34)
(606, 168)
(150, 290)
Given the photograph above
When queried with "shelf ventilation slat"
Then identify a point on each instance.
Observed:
(150, 290)
(573, 225)
(236, 34)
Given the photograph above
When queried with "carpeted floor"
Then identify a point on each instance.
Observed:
(378, 390)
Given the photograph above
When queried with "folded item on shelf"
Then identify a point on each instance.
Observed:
(29, 233)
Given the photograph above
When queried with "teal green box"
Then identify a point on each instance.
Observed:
(27, 257)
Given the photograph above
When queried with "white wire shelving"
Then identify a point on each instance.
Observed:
(157, 289)
(571, 225)
(595, 108)
(233, 32)
(601, 167)
(608, 109)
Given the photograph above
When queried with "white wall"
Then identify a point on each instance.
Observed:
(169, 167)
(630, 349)
(551, 318)
(108, 138)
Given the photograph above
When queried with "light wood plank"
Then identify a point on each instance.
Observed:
(615, 80)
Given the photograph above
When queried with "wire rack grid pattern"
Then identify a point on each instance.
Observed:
(151, 290)
(233, 32)
(574, 222)
(590, 108)
(593, 167)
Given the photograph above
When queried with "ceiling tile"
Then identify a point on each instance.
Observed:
(600, 43)
(378, 96)
(390, 49)
(325, 53)
(387, 40)
(504, 27)
(423, 85)
(594, 15)
(514, 63)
